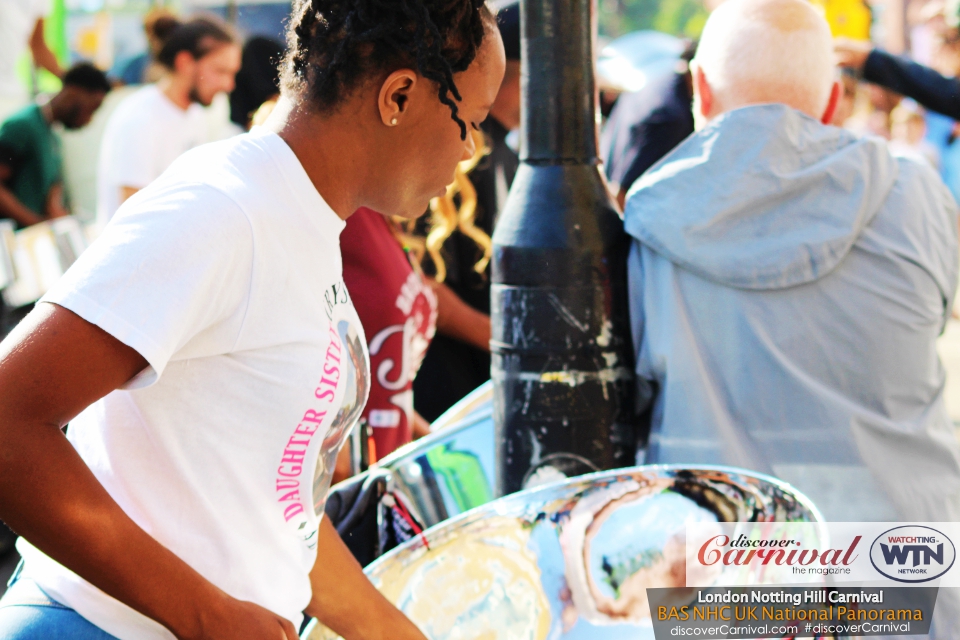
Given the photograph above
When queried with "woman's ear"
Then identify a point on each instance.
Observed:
(395, 95)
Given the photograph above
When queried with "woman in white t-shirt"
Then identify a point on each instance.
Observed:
(209, 359)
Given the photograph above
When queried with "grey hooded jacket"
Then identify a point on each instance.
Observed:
(788, 283)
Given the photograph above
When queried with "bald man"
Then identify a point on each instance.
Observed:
(789, 280)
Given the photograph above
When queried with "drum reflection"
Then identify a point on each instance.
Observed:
(452, 470)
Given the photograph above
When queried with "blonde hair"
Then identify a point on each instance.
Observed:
(446, 217)
(263, 112)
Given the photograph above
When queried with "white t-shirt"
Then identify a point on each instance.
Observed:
(143, 137)
(17, 21)
(225, 274)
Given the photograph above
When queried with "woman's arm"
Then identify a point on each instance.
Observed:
(932, 90)
(457, 319)
(354, 609)
(53, 366)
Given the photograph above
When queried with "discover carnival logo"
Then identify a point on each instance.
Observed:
(743, 551)
(912, 553)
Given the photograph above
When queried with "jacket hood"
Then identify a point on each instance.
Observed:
(764, 197)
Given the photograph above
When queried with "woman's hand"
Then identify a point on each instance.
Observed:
(852, 53)
(236, 620)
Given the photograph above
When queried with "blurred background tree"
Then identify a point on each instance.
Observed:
(683, 18)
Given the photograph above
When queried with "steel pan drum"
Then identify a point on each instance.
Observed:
(452, 470)
(7, 246)
(40, 254)
(570, 560)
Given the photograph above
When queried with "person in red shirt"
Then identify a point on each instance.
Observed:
(398, 310)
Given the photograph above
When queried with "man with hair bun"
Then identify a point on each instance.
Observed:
(788, 282)
(157, 25)
(158, 123)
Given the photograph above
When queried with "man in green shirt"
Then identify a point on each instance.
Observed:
(31, 170)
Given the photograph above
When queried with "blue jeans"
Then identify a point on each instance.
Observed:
(27, 613)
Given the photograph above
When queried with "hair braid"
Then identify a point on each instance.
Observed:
(299, 34)
(334, 44)
(442, 76)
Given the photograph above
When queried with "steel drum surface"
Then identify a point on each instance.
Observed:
(570, 560)
(452, 470)
(38, 256)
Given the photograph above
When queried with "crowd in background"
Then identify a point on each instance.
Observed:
(910, 126)
(646, 124)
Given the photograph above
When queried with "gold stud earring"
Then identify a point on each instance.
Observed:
(393, 122)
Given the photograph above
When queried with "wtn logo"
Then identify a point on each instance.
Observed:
(912, 554)
(897, 554)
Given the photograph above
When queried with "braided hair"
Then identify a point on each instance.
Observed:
(334, 44)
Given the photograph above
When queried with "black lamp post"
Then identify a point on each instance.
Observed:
(562, 362)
